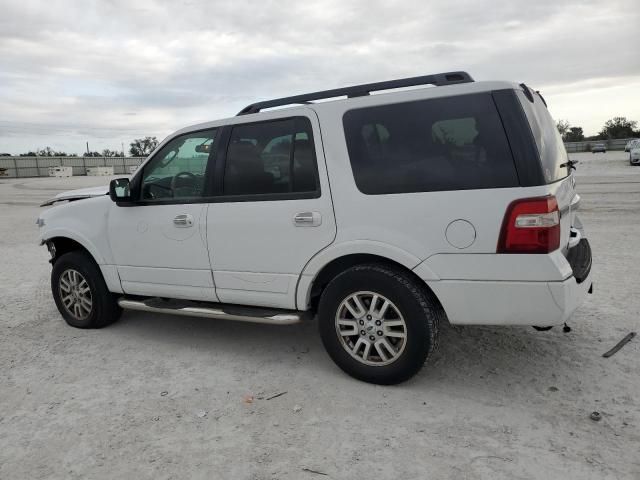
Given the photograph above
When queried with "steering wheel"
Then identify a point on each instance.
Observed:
(189, 177)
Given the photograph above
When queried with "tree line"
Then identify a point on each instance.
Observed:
(140, 147)
(617, 127)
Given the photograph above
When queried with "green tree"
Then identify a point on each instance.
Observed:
(575, 134)
(111, 153)
(563, 127)
(618, 127)
(141, 147)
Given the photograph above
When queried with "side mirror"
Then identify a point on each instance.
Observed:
(119, 190)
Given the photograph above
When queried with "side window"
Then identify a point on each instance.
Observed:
(273, 157)
(177, 171)
(453, 143)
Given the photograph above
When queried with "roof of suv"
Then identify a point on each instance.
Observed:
(451, 83)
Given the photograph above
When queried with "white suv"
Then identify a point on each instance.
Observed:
(383, 214)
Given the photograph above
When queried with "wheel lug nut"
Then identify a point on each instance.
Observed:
(362, 332)
(379, 332)
(378, 323)
(372, 338)
(368, 317)
(361, 322)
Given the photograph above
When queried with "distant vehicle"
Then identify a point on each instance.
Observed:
(598, 148)
(427, 207)
(631, 144)
(634, 154)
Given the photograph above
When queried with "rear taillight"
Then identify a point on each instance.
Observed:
(531, 225)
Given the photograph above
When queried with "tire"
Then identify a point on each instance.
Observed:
(75, 275)
(409, 302)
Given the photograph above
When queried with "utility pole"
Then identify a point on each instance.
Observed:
(87, 148)
(122, 145)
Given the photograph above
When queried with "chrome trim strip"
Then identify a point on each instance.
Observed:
(243, 314)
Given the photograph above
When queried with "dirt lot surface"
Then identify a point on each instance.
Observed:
(170, 397)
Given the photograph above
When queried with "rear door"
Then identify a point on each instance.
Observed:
(273, 209)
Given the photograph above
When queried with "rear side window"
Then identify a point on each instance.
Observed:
(453, 143)
(548, 140)
(274, 157)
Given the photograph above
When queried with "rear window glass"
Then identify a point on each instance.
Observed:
(548, 139)
(454, 143)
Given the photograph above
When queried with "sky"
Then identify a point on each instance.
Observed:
(106, 72)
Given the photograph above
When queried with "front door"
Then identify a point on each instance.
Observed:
(159, 244)
(273, 209)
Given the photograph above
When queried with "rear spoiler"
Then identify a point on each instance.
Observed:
(528, 92)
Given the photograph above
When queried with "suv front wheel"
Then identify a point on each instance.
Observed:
(80, 292)
(378, 324)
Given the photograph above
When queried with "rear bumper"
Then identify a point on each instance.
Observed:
(540, 290)
(510, 303)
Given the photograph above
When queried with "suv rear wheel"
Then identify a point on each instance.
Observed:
(80, 292)
(378, 324)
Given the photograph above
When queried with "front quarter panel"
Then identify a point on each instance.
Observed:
(84, 221)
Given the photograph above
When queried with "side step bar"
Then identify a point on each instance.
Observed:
(213, 310)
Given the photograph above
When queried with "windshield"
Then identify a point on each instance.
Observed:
(553, 155)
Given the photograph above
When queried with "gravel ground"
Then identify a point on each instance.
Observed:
(175, 397)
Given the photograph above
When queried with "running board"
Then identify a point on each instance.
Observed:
(213, 310)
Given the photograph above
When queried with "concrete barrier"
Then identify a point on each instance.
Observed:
(99, 171)
(60, 172)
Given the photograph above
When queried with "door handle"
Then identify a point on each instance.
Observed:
(183, 220)
(307, 219)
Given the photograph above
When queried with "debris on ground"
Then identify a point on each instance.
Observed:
(297, 408)
(247, 399)
(317, 472)
(595, 416)
(276, 395)
(619, 345)
(201, 414)
(553, 389)
(164, 393)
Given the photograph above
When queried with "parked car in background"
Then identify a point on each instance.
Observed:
(631, 143)
(634, 154)
(412, 208)
(598, 148)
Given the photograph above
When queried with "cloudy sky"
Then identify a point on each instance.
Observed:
(108, 71)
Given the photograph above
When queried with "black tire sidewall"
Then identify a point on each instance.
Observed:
(409, 301)
(104, 309)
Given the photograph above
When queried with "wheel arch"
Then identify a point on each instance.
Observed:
(327, 265)
(67, 243)
(64, 243)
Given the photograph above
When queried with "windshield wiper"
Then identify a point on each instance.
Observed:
(571, 164)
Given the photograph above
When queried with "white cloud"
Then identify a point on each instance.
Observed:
(109, 71)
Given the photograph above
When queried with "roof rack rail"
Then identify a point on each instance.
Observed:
(438, 79)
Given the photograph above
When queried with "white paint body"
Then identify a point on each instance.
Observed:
(251, 253)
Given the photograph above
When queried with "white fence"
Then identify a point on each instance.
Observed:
(585, 145)
(18, 167)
